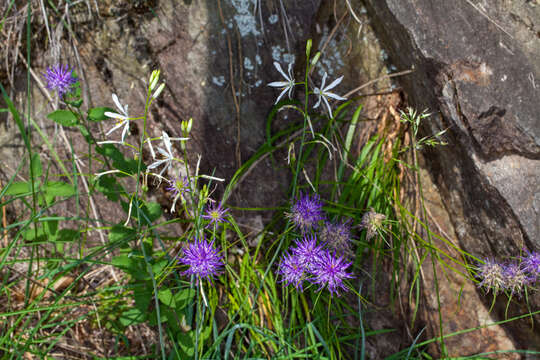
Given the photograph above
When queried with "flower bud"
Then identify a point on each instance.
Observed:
(315, 58)
(308, 47)
(154, 78)
(159, 90)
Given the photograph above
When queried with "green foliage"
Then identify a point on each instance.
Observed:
(63, 117)
(98, 113)
(119, 162)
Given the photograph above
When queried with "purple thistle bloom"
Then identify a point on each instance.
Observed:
(307, 251)
(215, 214)
(329, 271)
(492, 275)
(202, 258)
(531, 263)
(306, 212)
(292, 270)
(179, 187)
(60, 78)
(337, 236)
(515, 278)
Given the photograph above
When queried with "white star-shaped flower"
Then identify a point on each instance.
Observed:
(284, 85)
(323, 93)
(167, 154)
(123, 117)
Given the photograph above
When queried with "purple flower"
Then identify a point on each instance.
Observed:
(60, 78)
(178, 187)
(307, 251)
(531, 263)
(306, 212)
(292, 270)
(330, 271)
(202, 258)
(215, 214)
(492, 275)
(337, 236)
(515, 278)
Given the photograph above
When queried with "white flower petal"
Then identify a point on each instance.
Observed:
(278, 84)
(156, 164)
(115, 115)
(328, 106)
(167, 142)
(323, 81)
(281, 95)
(114, 128)
(334, 83)
(290, 72)
(278, 67)
(334, 96)
(116, 101)
(124, 132)
(163, 152)
(151, 148)
(119, 105)
(318, 102)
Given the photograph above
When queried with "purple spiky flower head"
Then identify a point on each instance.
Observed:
(202, 258)
(60, 78)
(178, 187)
(292, 270)
(330, 271)
(492, 275)
(515, 278)
(306, 212)
(307, 251)
(215, 214)
(531, 263)
(337, 236)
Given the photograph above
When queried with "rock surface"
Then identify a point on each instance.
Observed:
(476, 68)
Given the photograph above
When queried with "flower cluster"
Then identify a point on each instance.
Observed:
(323, 92)
(60, 78)
(202, 258)
(309, 261)
(215, 214)
(512, 277)
(321, 263)
(531, 263)
(337, 236)
(306, 212)
(178, 187)
(372, 221)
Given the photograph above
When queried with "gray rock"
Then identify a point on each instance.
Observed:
(477, 68)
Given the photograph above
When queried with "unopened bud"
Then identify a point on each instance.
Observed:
(154, 78)
(186, 126)
(159, 90)
(315, 58)
(308, 47)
